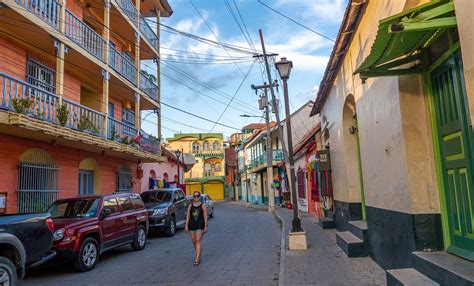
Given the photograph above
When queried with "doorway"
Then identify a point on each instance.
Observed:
(454, 136)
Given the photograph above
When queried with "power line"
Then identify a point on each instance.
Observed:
(296, 22)
(243, 80)
(245, 26)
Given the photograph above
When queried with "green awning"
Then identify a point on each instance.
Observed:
(401, 39)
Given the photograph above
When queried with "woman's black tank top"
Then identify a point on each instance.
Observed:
(196, 217)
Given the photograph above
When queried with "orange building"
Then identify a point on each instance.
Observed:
(71, 92)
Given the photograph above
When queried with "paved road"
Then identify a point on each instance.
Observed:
(241, 248)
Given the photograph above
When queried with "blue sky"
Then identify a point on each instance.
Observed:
(308, 51)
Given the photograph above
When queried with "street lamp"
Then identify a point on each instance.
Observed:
(284, 69)
(178, 155)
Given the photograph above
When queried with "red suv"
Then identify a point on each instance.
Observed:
(85, 227)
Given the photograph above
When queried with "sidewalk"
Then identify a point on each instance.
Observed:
(324, 263)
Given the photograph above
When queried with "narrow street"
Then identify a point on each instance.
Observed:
(241, 248)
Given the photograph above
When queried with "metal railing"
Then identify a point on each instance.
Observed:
(147, 31)
(46, 10)
(129, 9)
(84, 118)
(277, 155)
(148, 86)
(27, 99)
(149, 143)
(122, 65)
(121, 132)
(83, 35)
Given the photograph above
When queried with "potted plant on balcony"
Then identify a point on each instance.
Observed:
(62, 114)
(125, 140)
(22, 105)
(85, 124)
(135, 141)
(113, 134)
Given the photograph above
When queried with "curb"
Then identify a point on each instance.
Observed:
(281, 275)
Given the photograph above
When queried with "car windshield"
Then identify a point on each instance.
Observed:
(156, 197)
(74, 209)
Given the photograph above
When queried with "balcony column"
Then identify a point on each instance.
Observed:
(105, 73)
(137, 112)
(158, 72)
(60, 52)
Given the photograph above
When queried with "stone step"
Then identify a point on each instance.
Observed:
(359, 229)
(351, 244)
(444, 268)
(327, 223)
(408, 277)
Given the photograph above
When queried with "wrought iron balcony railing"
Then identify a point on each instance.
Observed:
(148, 86)
(277, 155)
(129, 9)
(46, 10)
(83, 35)
(122, 65)
(148, 33)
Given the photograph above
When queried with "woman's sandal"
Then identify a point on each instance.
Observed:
(196, 263)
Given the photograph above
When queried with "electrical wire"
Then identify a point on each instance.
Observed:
(296, 22)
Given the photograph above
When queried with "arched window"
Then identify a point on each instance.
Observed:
(88, 177)
(216, 145)
(195, 147)
(207, 169)
(218, 167)
(205, 146)
(124, 179)
(38, 181)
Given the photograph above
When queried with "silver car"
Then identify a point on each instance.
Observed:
(205, 199)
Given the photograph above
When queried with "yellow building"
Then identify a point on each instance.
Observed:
(207, 175)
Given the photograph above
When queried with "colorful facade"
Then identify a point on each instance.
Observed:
(397, 99)
(207, 175)
(71, 93)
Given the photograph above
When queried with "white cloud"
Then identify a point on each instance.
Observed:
(327, 10)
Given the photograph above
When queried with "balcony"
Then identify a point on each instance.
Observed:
(148, 87)
(83, 35)
(205, 154)
(46, 10)
(39, 110)
(122, 65)
(260, 161)
(29, 100)
(129, 9)
(121, 132)
(148, 32)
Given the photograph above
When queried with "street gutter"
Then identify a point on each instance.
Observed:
(281, 275)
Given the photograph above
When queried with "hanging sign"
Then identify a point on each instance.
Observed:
(323, 159)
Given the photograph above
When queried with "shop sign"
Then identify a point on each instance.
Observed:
(323, 159)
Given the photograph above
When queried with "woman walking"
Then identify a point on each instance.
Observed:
(196, 224)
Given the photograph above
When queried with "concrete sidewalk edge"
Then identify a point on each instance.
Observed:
(281, 275)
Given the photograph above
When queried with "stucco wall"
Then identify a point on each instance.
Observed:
(160, 168)
(393, 127)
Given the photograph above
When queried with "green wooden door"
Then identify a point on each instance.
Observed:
(456, 154)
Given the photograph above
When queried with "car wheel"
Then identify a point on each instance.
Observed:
(88, 255)
(171, 229)
(8, 275)
(140, 238)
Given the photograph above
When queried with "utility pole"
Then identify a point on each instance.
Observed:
(297, 237)
(265, 105)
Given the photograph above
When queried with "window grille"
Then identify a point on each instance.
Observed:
(38, 181)
(40, 75)
(124, 179)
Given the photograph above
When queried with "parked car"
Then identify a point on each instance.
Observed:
(205, 199)
(85, 227)
(25, 241)
(166, 209)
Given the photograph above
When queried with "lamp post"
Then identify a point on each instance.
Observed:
(178, 155)
(284, 69)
